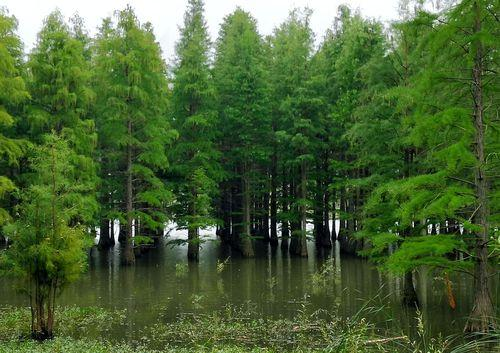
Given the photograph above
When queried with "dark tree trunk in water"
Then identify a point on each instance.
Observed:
(318, 209)
(285, 226)
(193, 234)
(106, 238)
(274, 200)
(122, 233)
(347, 243)
(298, 246)
(226, 207)
(409, 294)
(482, 317)
(321, 212)
(327, 235)
(244, 241)
(265, 216)
(128, 251)
(193, 244)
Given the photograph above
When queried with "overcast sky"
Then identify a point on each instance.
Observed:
(167, 15)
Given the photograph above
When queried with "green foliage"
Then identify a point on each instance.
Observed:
(59, 84)
(195, 164)
(46, 246)
(134, 130)
(12, 93)
(48, 250)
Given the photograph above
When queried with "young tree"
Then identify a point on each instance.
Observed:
(48, 248)
(241, 94)
(195, 158)
(133, 125)
(12, 94)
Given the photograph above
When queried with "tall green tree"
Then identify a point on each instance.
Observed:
(456, 137)
(293, 114)
(242, 106)
(195, 157)
(133, 125)
(378, 135)
(48, 248)
(59, 84)
(12, 93)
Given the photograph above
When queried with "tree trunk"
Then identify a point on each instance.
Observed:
(265, 214)
(298, 245)
(274, 199)
(106, 239)
(42, 311)
(285, 226)
(193, 232)
(245, 243)
(327, 235)
(482, 317)
(128, 251)
(409, 294)
(193, 244)
(318, 208)
(225, 211)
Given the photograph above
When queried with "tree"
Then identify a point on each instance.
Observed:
(48, 249)
(133, 125)
(195, 158)
(293, 113)
(12, 94)
(241, 95)
(463, 113)
(59, 84)
(378, 139)
(453, 133)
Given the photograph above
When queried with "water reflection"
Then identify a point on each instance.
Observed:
(279, 285)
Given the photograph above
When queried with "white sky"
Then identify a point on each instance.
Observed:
(167, 15)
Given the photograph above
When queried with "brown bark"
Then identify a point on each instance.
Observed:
(482, 315)
(128, 251)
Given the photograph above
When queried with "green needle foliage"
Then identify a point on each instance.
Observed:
(133, 124)
(48, 248)
(391, 132)
(242, 103)
(194, 157)
(296, 111)
(12, 94)
(59, 84)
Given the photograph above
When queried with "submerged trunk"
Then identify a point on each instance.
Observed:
(193, 233)
(106, 238)
(298, 246)
(193, 244)
(409, 294)
(285, 226)
(482, 317)
(264, 232)
(274, 199)
(128, 251)
(245, 243)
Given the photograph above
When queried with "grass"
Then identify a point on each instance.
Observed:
(231, 330)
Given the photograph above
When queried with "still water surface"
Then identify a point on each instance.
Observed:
(275, 284)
